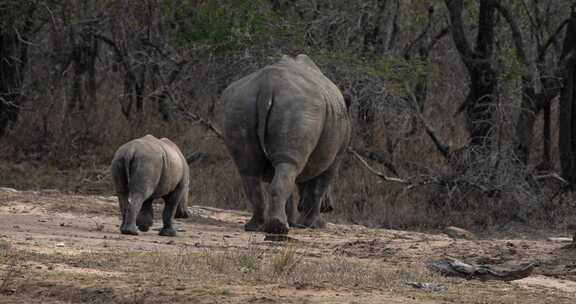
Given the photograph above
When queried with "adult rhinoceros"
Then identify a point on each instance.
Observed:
(286, 124)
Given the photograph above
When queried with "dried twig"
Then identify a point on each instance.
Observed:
(552, 175)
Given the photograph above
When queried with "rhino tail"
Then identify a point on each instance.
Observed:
(264, 103)
(121, 171)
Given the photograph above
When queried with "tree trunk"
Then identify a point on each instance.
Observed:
(567, 140)
(10, 81)
(479, 104)
(13, 62)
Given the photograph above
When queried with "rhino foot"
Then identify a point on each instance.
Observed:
(168, 232)
(253, 225)
(144, 223)
(129, 230)
(326, 208)
(292, 223)
(143, 228)
(276, 226)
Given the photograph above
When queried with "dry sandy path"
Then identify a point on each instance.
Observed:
(54, 224)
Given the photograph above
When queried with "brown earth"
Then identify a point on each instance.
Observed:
(61, 248)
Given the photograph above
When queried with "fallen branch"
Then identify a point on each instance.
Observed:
(455, 268)
(374, 171)
(196, 118)
(205, 123)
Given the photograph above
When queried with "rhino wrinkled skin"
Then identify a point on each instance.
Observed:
(286, 124)
(145, 169)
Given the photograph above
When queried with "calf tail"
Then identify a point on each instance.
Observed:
(120, 168)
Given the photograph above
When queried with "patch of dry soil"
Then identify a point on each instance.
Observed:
(52, 224)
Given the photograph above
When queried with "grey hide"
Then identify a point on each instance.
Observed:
(286, 124)
(145, 169)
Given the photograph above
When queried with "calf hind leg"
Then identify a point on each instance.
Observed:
(131, 214)
(172, 201)
(182, 211)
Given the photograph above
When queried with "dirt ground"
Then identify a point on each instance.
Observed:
(61, 248)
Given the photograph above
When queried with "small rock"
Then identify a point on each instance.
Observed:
(431, 287)
(459, 233)
(278, 238)
(7, 291)
(16, 227)
(60, 245)
(560, 239)
(49, 191)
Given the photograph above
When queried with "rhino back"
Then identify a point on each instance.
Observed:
(176, 167)
(300, 113)
(308, 122)
(149, 154)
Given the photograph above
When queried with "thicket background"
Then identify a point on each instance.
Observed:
(461, 98)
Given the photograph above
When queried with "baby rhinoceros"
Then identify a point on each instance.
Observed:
(144, 169)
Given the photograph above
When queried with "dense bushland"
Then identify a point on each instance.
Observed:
(460, 98)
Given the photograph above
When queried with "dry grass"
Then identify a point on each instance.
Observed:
(189, 274)
(13, 271)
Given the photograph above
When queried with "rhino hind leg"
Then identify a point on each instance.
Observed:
(253, 189)
(123, 204)
(312, 199)
(326, 205)
(327, 202)
(121, 187)
(145, 218)
(128, 226)
(182, 211)
(291, 212)
(172, 201)
(281, 189)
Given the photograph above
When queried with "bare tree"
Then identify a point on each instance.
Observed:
(479, 104)
(567, 145)
(15, 34)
